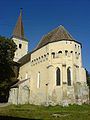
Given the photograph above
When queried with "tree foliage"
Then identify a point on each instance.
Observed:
(8, 75)
(88, 78)
(7, 50)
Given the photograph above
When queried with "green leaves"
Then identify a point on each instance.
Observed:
(88, 78)
(8, 68)
(7, 50)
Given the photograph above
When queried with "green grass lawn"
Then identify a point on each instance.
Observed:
(73, 112)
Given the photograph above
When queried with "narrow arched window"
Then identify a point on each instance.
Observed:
(69, 76)
(58, 77)
(59, 53)
(53, 54)
(66, 52)
(39, 60)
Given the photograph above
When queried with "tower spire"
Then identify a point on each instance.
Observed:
(19, 29)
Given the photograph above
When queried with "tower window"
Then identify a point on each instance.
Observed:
(59, 53)
(20, 46)
(75, 45)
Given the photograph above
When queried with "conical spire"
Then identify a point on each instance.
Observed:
(19, 29)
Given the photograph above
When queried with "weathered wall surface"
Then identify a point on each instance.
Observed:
(42, 73)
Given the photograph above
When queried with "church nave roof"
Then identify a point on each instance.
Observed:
(58, 34)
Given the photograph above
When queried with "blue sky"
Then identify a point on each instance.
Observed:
(41, 16)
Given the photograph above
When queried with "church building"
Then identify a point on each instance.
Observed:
(51, 74)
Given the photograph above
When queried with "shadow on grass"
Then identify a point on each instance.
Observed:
(15, 118)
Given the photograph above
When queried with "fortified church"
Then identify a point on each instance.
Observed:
(52, 74)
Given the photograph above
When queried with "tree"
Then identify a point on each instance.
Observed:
(8, 68)
(7, 50)
(88, 78)
(88, 81)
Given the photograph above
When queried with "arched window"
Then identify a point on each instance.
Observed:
(58, 77)
(60, 52)
(39, 60)
(69, 76)
(53, 54)
(66, 52)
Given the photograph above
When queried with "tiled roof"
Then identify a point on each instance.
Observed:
(26, 58)
(18, 83)
(60, 33)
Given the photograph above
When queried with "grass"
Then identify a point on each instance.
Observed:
(73, 112)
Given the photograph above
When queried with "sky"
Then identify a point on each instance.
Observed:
(41, 16)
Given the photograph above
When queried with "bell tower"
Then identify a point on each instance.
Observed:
(19, 38)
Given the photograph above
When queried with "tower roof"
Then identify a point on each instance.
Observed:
(19, 29)
(58, 34)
